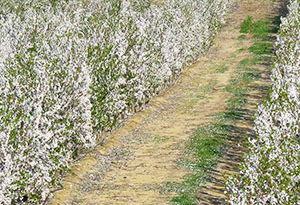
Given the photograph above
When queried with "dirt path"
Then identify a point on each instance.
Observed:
(138, 158)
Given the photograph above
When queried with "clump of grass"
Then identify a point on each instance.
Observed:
(249, 61)
(222, 69)
(247, 25)
(184, 199)
(237, 102)
(245, 75)
(205, 145)
(260, 29)
(242, 37)
(235, 89)
(261, 48)
(203, 151)
(230, 115)
(250, 76)
(238, 88)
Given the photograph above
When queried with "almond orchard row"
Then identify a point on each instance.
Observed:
(70, 69)
(270, 173)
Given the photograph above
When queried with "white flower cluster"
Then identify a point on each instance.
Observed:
(70, 68)
(271, 171)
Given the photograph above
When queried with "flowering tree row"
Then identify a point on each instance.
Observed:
(71, 68)
(271, 171)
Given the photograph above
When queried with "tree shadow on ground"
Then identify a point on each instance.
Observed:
(233, 155)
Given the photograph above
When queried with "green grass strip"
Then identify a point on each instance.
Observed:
(208, 143)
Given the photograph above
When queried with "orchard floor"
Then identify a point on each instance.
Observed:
(132, 166)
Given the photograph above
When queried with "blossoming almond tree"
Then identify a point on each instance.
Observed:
(271, 171)
(69, 69)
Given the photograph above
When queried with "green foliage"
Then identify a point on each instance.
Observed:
(239, 89)
(261, 48)
(249, 61)
(247, 25)
(184, 199)
(76, 68)
(259, 29)
(242, 37)
(205, 147)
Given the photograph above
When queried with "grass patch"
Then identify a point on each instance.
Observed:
(209, 142)
(249, 61)
(259, 29)
(203, 151)
(238, 87)
(205, 146)
(229, 115)
(235, 88)
(237, 102)
(261, 48)
(247, 25)
(184, 199)
(245, 75)
(248, 77)
(222, 69)
(242, 37)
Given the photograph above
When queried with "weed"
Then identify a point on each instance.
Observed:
(249, 61)
(184, 199)
(261, 48)
(260, 29)
(242, 37)
(205, 147)
(237, 102)
(247, 25)
(222, 69)
(241, 50)
(235, 89)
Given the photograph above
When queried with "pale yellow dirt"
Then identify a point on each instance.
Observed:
(138, 158)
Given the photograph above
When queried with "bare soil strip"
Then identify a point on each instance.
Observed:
(140, 157)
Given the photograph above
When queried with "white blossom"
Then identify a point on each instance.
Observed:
(69, 69)
(271, 171)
